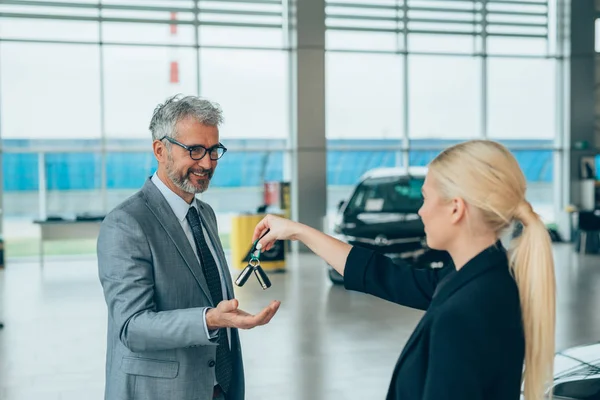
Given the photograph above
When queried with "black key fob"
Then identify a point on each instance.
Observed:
(243, 277)
(262, 277)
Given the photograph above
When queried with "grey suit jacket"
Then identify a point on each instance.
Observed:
(156, 294)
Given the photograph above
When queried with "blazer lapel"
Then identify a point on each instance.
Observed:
(164, 214)
(216, 241)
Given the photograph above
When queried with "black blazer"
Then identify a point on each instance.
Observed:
(469, 345)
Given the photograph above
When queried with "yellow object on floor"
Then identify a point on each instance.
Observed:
(242, 229)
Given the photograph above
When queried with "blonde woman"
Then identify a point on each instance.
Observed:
(490, 316)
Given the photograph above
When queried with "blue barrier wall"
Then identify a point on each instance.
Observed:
(347, 160)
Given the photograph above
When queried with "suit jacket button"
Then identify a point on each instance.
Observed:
(211, 363)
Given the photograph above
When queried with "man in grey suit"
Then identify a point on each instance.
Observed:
(172, 316)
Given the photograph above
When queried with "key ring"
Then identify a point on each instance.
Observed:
(254, 266)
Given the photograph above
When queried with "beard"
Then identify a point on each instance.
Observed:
(183, 181)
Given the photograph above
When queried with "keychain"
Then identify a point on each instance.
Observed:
(254, 265)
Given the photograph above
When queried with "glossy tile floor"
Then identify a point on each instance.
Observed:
(325, 342)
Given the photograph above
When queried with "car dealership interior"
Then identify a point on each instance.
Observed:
(328, 113)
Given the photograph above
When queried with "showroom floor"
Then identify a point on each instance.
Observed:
(325, 342)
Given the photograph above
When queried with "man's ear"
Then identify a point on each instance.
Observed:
(459, 210)
(160, 151)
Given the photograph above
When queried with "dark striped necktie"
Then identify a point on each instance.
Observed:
(224, 364)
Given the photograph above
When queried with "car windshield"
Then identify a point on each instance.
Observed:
(387, 195)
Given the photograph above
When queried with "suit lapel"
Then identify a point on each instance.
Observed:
(216, 241)
(165, 216)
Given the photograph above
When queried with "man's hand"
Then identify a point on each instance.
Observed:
(227, 315)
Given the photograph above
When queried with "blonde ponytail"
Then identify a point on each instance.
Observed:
(532, 265)
(487, 176)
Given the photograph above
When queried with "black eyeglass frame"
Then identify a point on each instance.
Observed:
(199, 146)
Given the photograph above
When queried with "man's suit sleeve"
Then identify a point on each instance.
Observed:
(126, 274)
(373, 273)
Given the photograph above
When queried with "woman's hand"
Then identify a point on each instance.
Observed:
(333, 251)
(279, 229)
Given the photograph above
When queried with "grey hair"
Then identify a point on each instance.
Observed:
(175, 109)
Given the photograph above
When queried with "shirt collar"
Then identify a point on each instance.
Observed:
(179, 206)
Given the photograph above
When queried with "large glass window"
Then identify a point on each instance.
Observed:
(48, 29)
(538, 167)
(473, 70)
(20, 195)
(521, 98)
(442, 44)
(403, 81)
(164, 22)
(360, 25)
(120, 32)
(45, 20)
(241, 37)
(126, 173)
(73, 184)
(252, 88)
(364, 96)
(241, 23)
(50, 91)
(366, 41)
(78, 93)
(445, 97)
(21, 203)
(137, 79)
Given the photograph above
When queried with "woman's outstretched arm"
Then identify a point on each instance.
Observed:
(332, 250)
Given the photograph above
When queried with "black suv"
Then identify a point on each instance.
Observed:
(382, 215)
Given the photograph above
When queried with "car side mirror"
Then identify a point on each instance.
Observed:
(340, 204)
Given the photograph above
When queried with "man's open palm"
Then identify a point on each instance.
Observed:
(228, 315)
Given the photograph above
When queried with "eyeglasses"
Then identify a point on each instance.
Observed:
(198, 152)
